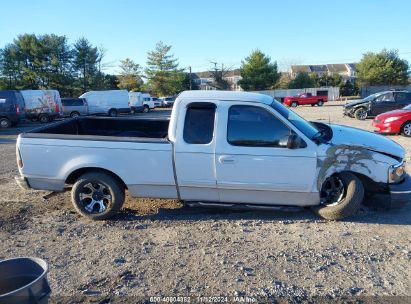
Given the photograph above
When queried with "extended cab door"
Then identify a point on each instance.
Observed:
(195, 151)
(252, 166)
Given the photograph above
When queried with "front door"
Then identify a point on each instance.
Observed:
(252, 166)
(383, 103)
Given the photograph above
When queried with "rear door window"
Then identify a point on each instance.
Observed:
(199, 123)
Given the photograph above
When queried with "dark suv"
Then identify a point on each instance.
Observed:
(377, 103)
(12, 108)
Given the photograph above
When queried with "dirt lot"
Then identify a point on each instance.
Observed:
(159, 248)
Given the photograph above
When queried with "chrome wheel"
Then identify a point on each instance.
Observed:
(407, 129)
(361, 114)
(146, 109)
(95, 197)
(5, 123)
(332, 191)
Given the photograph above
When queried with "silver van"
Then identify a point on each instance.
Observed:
(74, 107)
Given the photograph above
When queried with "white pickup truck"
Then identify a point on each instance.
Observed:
(230, 149)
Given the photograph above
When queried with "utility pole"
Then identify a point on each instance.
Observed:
(189, 75)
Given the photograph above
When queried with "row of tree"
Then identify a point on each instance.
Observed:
(383, 68)
(49, 61)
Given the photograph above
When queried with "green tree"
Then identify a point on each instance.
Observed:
(383, 68)
(258, 72)
(162, 72)
(301, 81)
(85, 63)
(129, 77)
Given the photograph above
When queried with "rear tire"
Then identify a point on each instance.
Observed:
(74, 114)
(112, 113)
(320, 103)
(406, 129)
(361, 114)
(97, 195)
(348, 204)
(44, 118)
(294, 104)
(5, 123)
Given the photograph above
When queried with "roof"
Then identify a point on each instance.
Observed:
(337, 68)
(300, 69)
(226, 95)
(318, 68)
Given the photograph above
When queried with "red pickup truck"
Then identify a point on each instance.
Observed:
(305, 99)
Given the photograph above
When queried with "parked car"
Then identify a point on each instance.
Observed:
(219, 148)
(167, 102)
(394, 122)
(111, 102)
(148, 102)
(74, 107)
(12, 109)
(304, 99)
(42, 105)
(377, 103)
(157, 102)
(136, 102)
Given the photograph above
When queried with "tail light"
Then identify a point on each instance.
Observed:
(19, 160)
(17, 109)
(57, 108)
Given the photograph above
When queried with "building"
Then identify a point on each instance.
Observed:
(204, 80)
(346, 70)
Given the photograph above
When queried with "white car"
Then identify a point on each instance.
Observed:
(167, 102)
(219, 148)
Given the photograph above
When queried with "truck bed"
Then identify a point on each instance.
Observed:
(105, 128)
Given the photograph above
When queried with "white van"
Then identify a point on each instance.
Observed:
(111, 102)
(136, 102)
(42, 105)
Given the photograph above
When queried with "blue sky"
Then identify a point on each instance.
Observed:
(226, 31)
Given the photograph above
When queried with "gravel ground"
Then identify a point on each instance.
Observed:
(160, 248)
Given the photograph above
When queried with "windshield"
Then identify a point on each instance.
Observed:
(300, 123)
(407, 107)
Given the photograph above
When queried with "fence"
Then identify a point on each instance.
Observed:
(368, 90)
(333, 93)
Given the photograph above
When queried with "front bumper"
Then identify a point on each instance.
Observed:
(22, 182)
(401, 192)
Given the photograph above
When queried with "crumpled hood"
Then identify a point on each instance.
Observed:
(355, 103)
(343, 135)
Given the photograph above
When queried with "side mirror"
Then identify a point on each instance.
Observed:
(292, 141)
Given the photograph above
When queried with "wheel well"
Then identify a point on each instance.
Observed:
(402, 126)
(147, 106)
(370, 186)
(73, 176)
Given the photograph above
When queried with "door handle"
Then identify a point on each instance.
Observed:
(225, 159)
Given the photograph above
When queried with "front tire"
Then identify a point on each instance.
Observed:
(320, 103)
(361, 114)
(341, 196)
(406, 129)
(44, 118)
(146, 109)
(5, 123)
(97, 195)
